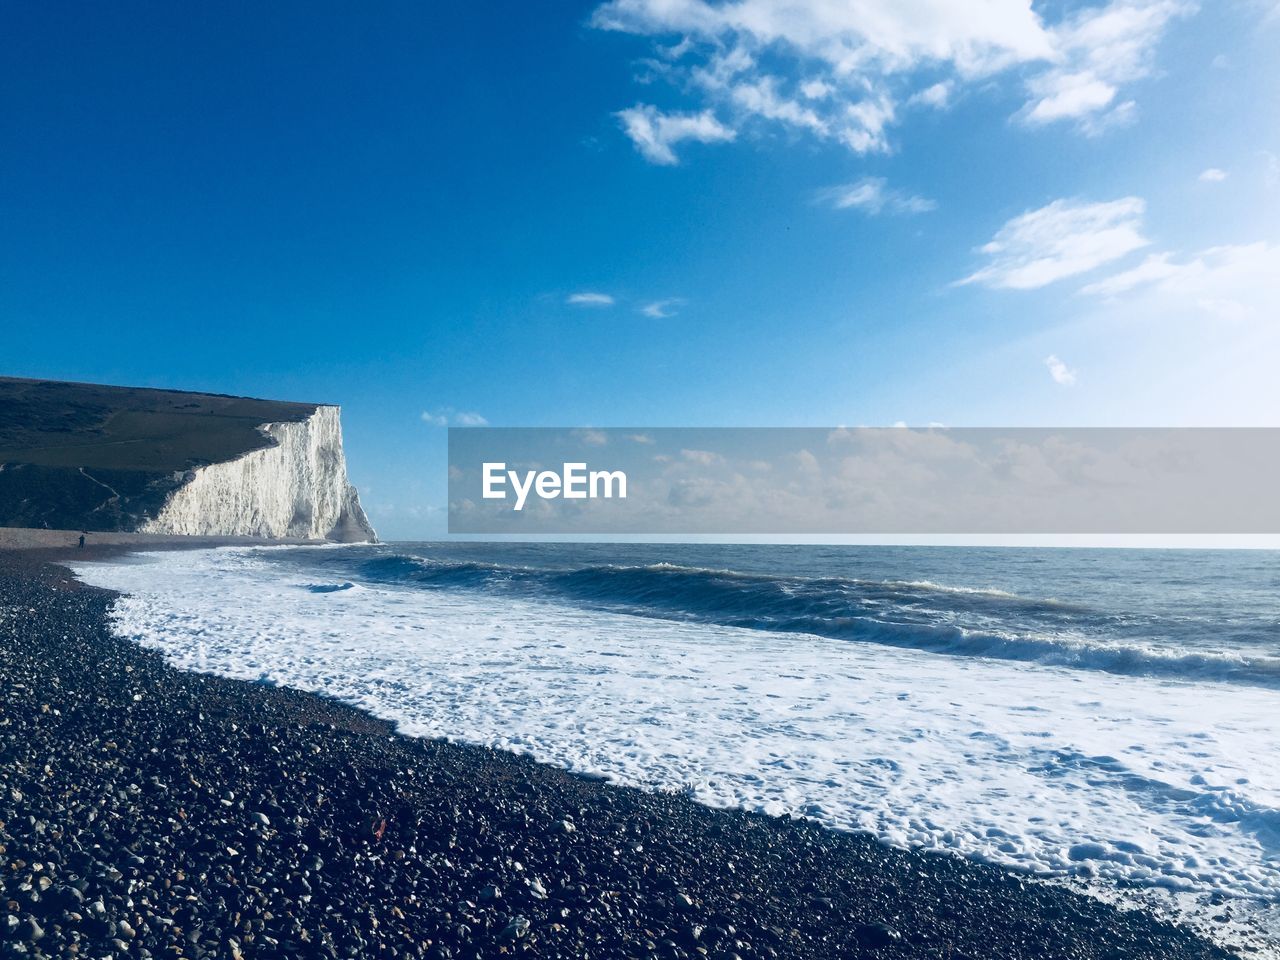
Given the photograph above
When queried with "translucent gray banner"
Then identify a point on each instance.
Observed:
(692, 480)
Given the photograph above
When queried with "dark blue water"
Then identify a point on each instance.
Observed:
(1196, 614)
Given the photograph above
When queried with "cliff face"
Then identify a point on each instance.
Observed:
(77, 456)
(297, 487)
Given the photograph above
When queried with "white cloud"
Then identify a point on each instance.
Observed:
(589, 298)
(1097, 51)
(655, 133)
(761, 97)
(937, 96)
(704, 458)
(447, 416)
(1233, 282)
(832, 64)
(592, 437)
(1063, 239)
(733, 78)
(817, 89)
(839, 70)
(1070, 95)
(1213, 175)
(845, 36)
(873, 195)
(1061, 373)
(1155, 267)
(862, 127)
(661, 309)
(657, 309)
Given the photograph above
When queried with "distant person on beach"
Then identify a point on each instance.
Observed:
(82, 541)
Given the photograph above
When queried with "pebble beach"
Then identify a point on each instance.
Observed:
(148, 812)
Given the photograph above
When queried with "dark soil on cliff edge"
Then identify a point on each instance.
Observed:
(152, 813)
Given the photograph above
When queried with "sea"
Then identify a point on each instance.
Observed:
(1105, 718)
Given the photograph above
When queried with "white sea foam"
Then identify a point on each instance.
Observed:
(1165, 784)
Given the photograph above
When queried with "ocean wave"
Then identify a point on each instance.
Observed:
(957, 620)
(1122, 658)
(944, 588)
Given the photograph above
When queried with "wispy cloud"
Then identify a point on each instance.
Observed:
(873, 195)
(1098, 51)
(449, 417)
(591, 436)
(1230, 282)
(588, 298)
(655, 133)
(657, 309)
(823, 68)
(840, 71)
(937, 96)
(661, 309)
(1064, 239)
(1157, 266)
(1061, 373)
(1213, 175)
(703, 458)
(1271, 173)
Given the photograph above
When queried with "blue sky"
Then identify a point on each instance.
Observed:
(648, 212)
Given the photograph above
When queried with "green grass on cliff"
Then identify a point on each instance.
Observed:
(55, 424)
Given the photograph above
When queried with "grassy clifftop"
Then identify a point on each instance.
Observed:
(50, 423)
(94, 457)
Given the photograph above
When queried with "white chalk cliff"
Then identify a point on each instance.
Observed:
(297, 487)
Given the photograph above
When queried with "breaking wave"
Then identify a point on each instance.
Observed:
(915, 614)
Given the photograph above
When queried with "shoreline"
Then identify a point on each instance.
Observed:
(327, 834)
(62, 544)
